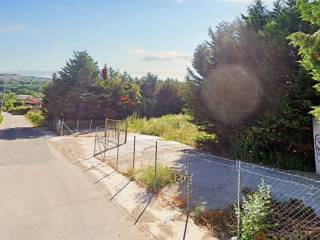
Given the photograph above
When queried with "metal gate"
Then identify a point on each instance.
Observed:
(112, 135)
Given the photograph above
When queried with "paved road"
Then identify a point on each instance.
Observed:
(43, 196)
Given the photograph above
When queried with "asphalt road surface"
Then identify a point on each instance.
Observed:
(44, 196)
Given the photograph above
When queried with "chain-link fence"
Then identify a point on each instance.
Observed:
(213, 190)
(294, 210)
(78, 127)
(155, 163)
(222, 199)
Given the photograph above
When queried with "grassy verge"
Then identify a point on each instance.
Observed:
(176, 127)
(21, 110)
(36, 117)
(165, 176)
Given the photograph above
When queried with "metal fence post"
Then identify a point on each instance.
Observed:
(118, 142)
(134, 152)
(56, 127)
(238, 199)
(54, 122)
(95, 143)
(188, 185)
(61, 129)
(155, 166)
(126, 132)
(90, 126)
(105, 142)
(77, 128)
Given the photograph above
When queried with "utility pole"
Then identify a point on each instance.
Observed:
(4, 92)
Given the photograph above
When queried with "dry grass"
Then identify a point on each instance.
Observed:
(176, 127)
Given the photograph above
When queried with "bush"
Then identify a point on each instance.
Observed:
(36, 117)
(176, 127)
(254, 214)
(1, 118)
(19, 110)
(284, 142)
(165, 176)
(197, 214)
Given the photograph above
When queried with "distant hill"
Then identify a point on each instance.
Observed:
(16, 77)
(23, 85)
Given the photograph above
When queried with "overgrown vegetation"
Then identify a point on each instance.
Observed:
(255, 211)
(36, 117)
(247, 86)
(154, 182)
(81, 90)
(308, 43)
(262, 218)
(177, 127)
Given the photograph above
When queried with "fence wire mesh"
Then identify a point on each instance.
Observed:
(78, 127)
(295, 206)
(193, 180)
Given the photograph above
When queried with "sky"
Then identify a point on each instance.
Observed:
(37, 37)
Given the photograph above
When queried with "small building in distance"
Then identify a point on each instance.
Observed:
(29, 101)
(23, 98)
(34, 103)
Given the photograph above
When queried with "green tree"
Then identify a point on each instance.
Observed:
(309, 43)
(160, 97)
(284, 138)
(236, 79)
(169, 97)
(65, 94)
(258, 14)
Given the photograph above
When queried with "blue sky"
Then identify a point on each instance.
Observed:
(39, 36)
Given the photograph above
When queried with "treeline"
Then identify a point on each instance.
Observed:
(248, 86)
(248, 83)
(24, 86)
(82, 90)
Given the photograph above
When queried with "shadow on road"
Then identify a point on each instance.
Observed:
(20, 133)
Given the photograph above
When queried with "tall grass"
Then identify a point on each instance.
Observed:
(36, 117)
(176, 127)
(165, 176)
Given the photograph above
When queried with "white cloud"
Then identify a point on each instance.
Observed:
(12, 28)
(157, 56)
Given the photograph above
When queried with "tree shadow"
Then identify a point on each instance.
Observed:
(20, 133)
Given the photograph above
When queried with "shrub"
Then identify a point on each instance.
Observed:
(197, 214)
(165, 176)
(176, 127)
(36, 117)
(254, 213)
(19, 110)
